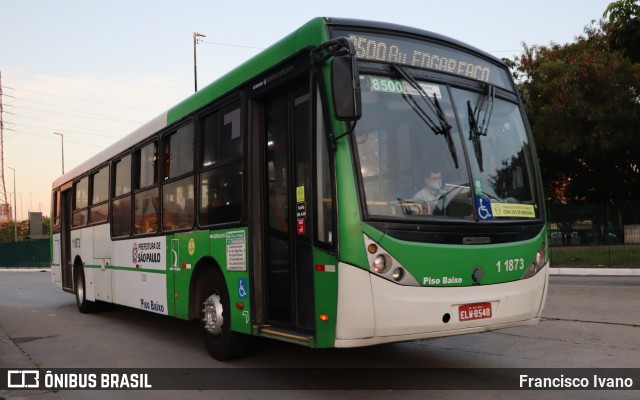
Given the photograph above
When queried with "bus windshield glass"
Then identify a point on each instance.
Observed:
(427, 150)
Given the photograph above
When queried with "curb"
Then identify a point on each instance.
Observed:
(595, 271)
(25, 269)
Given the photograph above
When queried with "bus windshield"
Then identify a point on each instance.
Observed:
(427, 150)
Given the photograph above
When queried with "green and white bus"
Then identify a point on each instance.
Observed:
(356, 183)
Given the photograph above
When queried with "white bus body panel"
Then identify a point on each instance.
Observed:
(102, 246)
(355, 299)
(143, 290)
(146, 290)
(102, 252)
(372, 310)
(122, 271)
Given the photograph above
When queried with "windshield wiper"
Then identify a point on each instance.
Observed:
(475, 131)
(442, 127)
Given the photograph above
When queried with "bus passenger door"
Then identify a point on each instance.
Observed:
(65, 240)
(289, 257)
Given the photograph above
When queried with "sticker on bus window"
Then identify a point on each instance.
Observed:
(299, 194)
(301, 227)
(513, 210)
(236, 251)
(477, 184)
(483, 206)
(388, 85)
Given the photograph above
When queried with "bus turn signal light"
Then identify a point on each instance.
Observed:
(324, 318)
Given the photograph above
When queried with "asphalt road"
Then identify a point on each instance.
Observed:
(589, 322)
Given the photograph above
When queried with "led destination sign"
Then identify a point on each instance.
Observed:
(405, 51)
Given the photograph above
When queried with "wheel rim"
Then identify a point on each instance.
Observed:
(212, 313)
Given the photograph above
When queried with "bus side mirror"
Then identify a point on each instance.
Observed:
(345, 82)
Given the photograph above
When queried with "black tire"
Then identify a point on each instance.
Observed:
(221, 342)
(84, 306)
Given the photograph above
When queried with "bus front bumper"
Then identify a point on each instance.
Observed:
(372, 310)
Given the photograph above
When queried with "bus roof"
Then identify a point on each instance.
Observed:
(313, 33)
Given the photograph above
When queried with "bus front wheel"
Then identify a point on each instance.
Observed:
(84, 305)
(222, 343)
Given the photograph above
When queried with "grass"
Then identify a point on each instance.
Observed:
(614, 256)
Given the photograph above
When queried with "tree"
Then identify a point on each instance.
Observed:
(7, 233)
(583, 102)
(46, 225)
(10, 230)
(624, 20)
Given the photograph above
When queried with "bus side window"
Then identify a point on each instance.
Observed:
(99, 211)
(178, 185)
(81, 202)
(146, 211)
(220, 182)
(177, 204)
(121, 195)
(324, 196)
(146, 198)
(56, 208)
(147, 165)
(178, 152)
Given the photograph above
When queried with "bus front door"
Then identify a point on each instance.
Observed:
(289, 258)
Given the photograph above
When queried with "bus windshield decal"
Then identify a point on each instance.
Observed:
(423, 54)
(513, 210)
(388, 85)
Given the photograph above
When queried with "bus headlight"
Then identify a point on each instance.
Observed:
(385, 266)
(380, 264)
(398, 274)
(537, 263)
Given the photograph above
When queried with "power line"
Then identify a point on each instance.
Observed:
(231, 45)
(52, 138)
(83, 116)
(67, 108)
(105, 134)
(85, 130)
(80, 99)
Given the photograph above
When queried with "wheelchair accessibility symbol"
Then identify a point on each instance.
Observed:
(242, 288)
(484, 209)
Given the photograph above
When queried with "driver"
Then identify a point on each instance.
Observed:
(431, 192)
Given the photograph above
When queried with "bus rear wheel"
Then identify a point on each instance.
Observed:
(84, 305)
(221, 342)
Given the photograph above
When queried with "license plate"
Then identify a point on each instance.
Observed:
(469, 312)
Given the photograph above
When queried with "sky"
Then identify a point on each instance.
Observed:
(96, 70)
